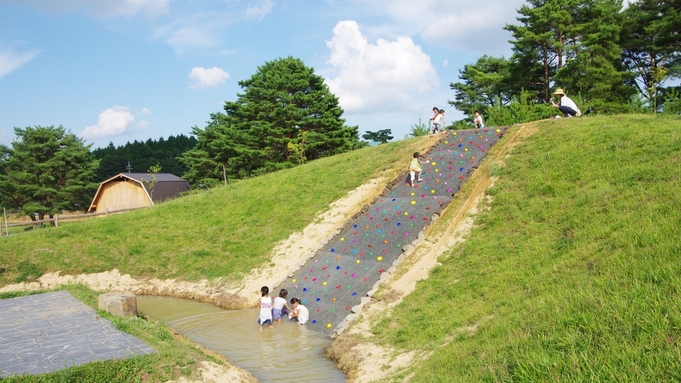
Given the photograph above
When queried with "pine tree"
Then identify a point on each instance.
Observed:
(485, 84)
(594, 70)
(652, 44)
(283, 103)
(47, 170)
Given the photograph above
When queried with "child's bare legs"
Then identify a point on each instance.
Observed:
(418, 176)
(260, 328)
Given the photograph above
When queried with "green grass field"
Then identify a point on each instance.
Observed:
(574, 275)
(223, 232)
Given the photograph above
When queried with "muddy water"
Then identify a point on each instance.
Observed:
(287, 353)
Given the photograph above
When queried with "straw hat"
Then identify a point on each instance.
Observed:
(559, 92)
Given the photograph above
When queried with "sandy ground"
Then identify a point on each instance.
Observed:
(215, 373)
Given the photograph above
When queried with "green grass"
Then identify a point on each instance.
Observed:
(223, 232)
(174, 357)
(574, 274)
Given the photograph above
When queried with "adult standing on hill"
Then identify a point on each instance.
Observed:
(565, 104)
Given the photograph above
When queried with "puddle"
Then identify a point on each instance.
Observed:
(287, 353)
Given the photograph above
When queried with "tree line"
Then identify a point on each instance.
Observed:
(285, 116)
(609, 58)
(139, 157)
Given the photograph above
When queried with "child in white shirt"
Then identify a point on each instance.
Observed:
(265, 317)
(300, 312)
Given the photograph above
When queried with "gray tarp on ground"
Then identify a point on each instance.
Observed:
(343, 271)
(47, 332)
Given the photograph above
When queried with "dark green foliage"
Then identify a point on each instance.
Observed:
(652, 45)
(382, 136)
(593, 69)
(143, 155)
(595, 50)
(418, 130)
(539, 43)
(484, 85)
(48, 170)
(523, 108)
(285, 116)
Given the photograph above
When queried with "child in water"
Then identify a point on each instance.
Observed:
(279, 303)
(300, 312)
(265, 317)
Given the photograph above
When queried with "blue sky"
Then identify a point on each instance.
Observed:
(124, 70)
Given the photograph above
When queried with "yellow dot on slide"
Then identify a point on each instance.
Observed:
(412, 194)
(432, 192)
(437, 171)
(294, 281)
(324, 283)
(405, 213)
(342, 239)
(358, 261)
(380, 258)
(498, 130)
(413, 202)
(328, 325)
(433, 163)
(455, 133)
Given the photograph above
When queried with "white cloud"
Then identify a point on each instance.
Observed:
(207, 77)
(445, 63)
(470, 25)
(259, 10)
(112, 122)
(146, 111)
(103, 8)
(191, 32)
(11, 60)
(386, 75)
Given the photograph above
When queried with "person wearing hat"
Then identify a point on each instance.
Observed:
(565, 104)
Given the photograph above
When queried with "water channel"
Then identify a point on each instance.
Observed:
(287, 353)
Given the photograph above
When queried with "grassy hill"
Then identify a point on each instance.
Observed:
(574, 274)
(223, 232)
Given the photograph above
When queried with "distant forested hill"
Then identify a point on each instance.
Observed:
(143, 155)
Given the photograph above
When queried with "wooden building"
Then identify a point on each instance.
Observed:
(133, 190)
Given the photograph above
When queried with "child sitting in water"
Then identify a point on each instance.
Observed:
(279, 303)
(265, 317)
(300, 312)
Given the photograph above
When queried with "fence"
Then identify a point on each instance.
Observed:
(57, 218)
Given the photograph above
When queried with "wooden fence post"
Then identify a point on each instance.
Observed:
(56, 220)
